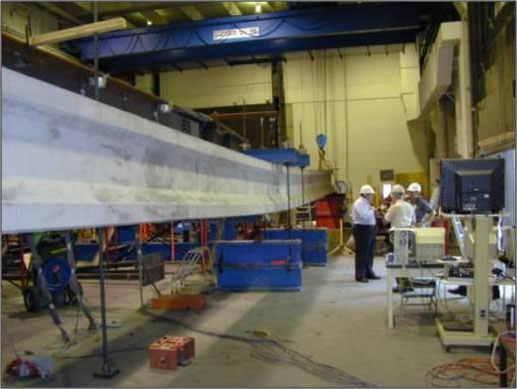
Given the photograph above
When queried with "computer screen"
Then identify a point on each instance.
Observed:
(472, 185)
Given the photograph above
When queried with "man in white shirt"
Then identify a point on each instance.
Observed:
(401, 214)
(363, 218)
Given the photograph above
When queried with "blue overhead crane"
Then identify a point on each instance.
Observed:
(237, 38)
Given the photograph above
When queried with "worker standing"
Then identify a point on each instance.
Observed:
(423, 211)
(363, 218)
(401, 214)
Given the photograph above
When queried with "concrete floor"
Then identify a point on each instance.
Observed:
(333, 320)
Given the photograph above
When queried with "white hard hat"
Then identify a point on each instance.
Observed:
(414, 187)
(366, 189)
(398, 189)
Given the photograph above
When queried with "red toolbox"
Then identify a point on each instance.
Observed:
(170, 351)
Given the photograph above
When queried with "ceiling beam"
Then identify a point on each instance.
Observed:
(84, 11)
(266, 7)
(79, 31)
(155, 17)
(61, 12)
(85, 6)
(177, 67)
(131, 8)
(231, 8)
(136, 18)
(278, 5)
(461, 8)
(191, 12)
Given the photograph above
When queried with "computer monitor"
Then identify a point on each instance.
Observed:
(472, 186)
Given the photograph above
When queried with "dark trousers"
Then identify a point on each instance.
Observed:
(364, 237)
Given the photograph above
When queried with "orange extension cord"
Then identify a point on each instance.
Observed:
(478, 370)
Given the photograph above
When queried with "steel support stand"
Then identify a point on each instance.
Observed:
(173, 258)
(43, 287)
(23, 269)
(107, 370)
(288, 204)
(303, 222)
(480, 336)
(139, 256)
(96, 53)
(74, 284)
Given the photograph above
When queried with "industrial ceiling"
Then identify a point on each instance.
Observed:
(140, 14)
(175, 36)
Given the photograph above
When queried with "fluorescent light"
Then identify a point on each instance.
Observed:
(258, 8)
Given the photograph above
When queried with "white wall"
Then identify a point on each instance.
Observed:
(362, 103)
(218, 86)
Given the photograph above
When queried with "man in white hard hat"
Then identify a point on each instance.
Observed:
(400, 214)
(363, 218)
(423, 211)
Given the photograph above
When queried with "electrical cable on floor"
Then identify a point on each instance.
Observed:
(264, 348)
(477, 370)
(494, 348)
(271, 350)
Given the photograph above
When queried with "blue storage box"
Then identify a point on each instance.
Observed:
(85, 251)
(258, 265)
(157, 247)
(314, 242)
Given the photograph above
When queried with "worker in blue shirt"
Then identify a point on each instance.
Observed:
(423, 211)
(363, 218)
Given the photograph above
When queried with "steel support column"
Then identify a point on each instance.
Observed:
(277, 82)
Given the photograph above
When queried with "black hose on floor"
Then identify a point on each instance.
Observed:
(272, 350)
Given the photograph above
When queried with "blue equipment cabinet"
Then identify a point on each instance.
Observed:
(258, 265)
(314, 242)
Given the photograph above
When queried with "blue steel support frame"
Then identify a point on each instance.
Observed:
(286, 157)
(272, 33)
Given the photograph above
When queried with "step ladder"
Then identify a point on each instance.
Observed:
(189, 265)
